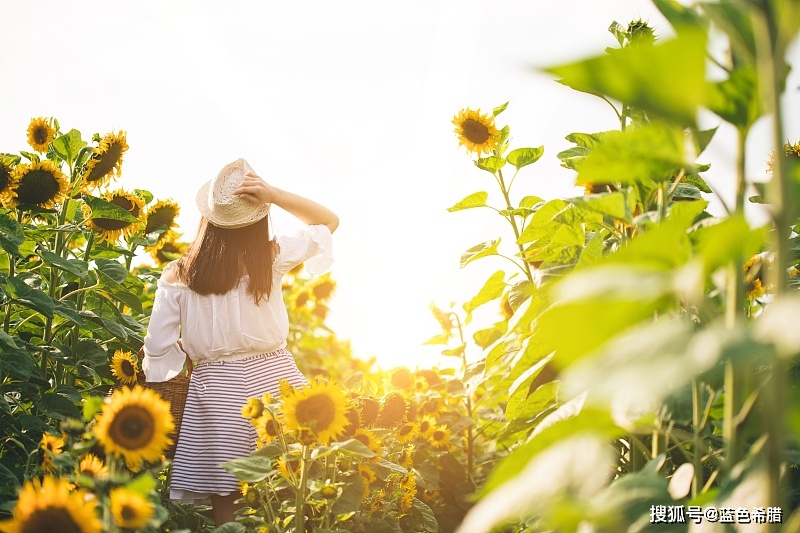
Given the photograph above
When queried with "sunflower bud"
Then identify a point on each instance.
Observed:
(640, 34)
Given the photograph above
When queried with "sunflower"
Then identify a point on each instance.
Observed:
(407, 432)
(252, 409)
(92, 466)
(163, 214)
(285, 388)
(368, 439)
(378, 503)
(53, 505)
(369, 408)
(406, 457)
(51, 446)
(106, 161)
(267, 427)
(40, 134)
(431, 406)
(393, 410)
(168, 251)
(6, 170)
(289, 468)
(135, 424)
(123, 367)
(319, 406)
(306, 436)
(476, 131)
(130, 509)
(439, 437)
(420, 384)
(426, 426)
(109, 229)
(409, 486)
(323, 290)
(329, 491)
(353, 420)
(401, 378)
(431, 376)
(367, 476)
(41, 184)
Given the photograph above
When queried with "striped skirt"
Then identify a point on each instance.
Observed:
(213, 430)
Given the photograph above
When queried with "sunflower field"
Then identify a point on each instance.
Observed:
(641, 373)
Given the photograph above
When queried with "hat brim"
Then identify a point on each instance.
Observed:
(257, 213)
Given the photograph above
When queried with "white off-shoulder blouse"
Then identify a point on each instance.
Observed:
(228, 326)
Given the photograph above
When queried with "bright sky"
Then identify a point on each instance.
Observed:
(346, 102)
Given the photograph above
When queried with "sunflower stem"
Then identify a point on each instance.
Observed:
(300, 492)
(511, 217)
(470, 454)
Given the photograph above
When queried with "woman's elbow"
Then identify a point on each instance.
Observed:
(333, 223)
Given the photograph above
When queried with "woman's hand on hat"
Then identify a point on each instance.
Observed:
(256, 190)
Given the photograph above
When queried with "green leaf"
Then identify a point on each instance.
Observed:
(103, 209)
(737, 22)
(541, 223)
(736, 100)
(144, 484)
(73, 266)
(702, 138)
(352, 447)
(698, 182)
(230, 527)
(426, 516)
(118, 292)
(653, 152)
(499, 109)
(92, 406)
(57, 406)
(522, 157)
(486, 337)
(477, 199)
(455, 352)
(679, 16)
(611, 204)
(11, 235)
(667, 79)
(491, 290)
(479, 250)
(530, 201)
(732, 238)
(490, 164)
(16, 363)
(687, 192)
(251, 469)
(30, 297)
(113, 269)
(68, 145)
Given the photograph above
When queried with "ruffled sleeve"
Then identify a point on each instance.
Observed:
(163, 357)
(312, 245)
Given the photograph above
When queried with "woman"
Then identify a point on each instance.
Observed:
(221, 303)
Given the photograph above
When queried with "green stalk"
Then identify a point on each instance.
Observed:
(470, 436)
(300, 493)
(11, 273)
(769, 61)
(697, 462)
(513, 220)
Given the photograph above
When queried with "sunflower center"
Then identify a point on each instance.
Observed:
(5, 177)
(127, 368)
(475, 131)
(405, 430)
(128, 513)
(105, 162)
(162, 217)
(133, 428)
(319, 410)
(438, 435)
(50, 520)
(424, 426)
(110, 223)
(40, 135)
(37, 187)
(271, 428)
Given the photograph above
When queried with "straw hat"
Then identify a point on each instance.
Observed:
(221, 207)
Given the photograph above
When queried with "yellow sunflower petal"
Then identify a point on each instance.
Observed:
(40, 134)
(106, 161)
(53, 505)
(130, 509)
(123, 367)
(135, 424)
(41, 184)
(109, 229)
(319, 406)
(476, 131)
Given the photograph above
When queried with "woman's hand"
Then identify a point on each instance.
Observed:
(254, 189)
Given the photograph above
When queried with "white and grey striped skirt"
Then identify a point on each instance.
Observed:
(213, 430)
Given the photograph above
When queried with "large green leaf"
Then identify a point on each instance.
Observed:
(11, 234)
(30, 297)
(612, 204)
(736, 99)
(491, 290)
(103, 209)
(491, 163)
(649, 153)
(251, 469)
(483, 249)
(730, 239)
(541, 223)
(522, 157)
(477, 199)
(73, 266)
(68, 145)
(667, 79)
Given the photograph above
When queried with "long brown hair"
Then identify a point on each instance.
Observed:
(219, 257)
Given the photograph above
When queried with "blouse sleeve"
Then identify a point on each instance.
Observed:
(163, 357)
(312, 244)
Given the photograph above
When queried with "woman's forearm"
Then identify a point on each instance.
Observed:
(306, 210)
